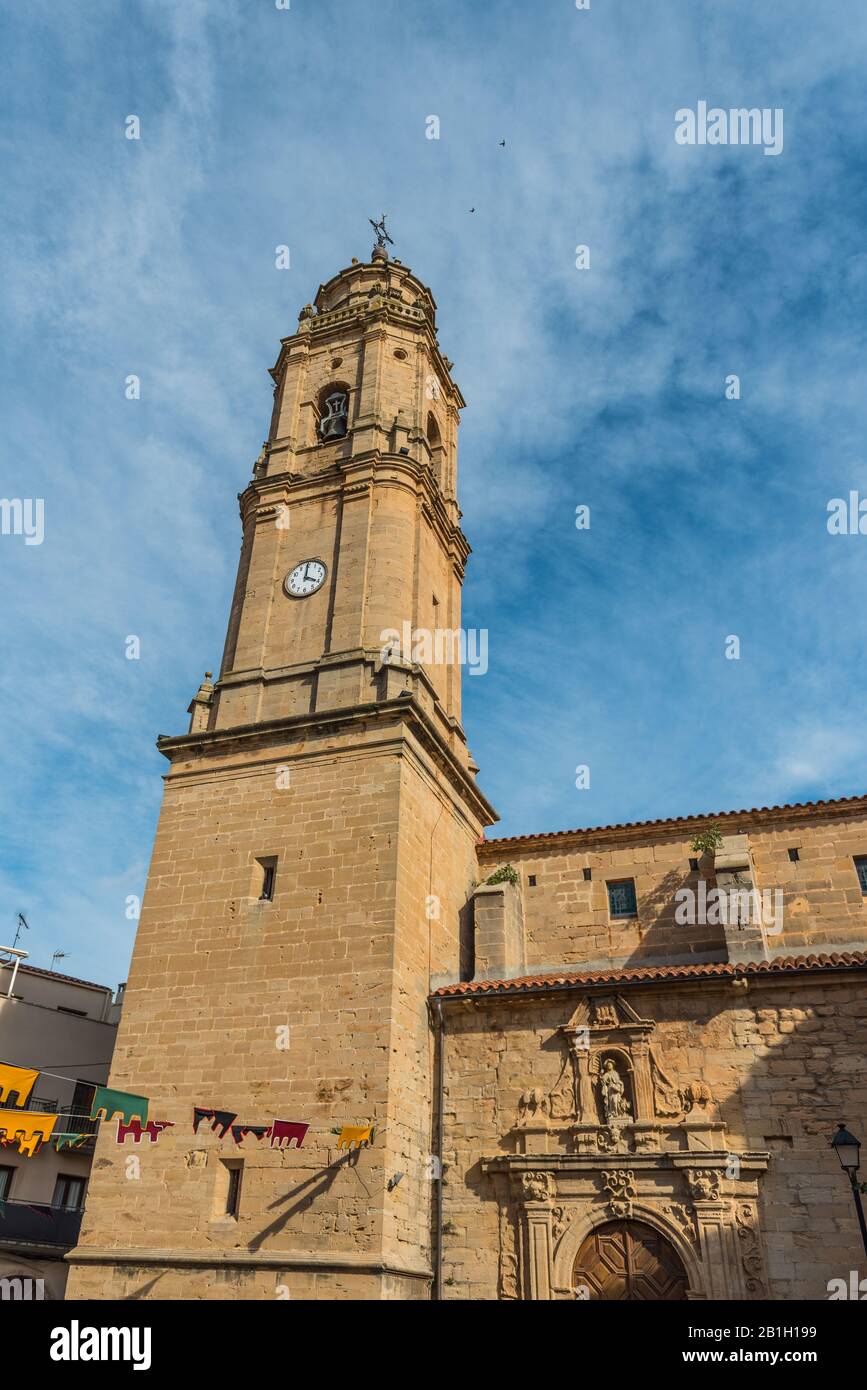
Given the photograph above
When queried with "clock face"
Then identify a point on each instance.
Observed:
(305, 579)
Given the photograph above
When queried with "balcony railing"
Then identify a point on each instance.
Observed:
(36, 1223)
(72, 1117)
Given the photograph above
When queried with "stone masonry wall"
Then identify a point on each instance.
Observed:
(783, 1061)
(567, 919)
(342, 958)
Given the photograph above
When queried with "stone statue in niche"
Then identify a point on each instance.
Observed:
(334, 420)
(615, 1106)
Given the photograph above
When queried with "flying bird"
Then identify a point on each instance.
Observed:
(502, 144)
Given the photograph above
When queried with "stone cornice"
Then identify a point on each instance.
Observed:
(405, 709)
(750, 1161)
(364, 312)
(262, 495)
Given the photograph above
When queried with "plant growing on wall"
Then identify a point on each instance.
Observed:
(504, 875)
(707, 841)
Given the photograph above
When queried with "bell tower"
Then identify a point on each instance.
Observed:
(351, 514)
(315, 852)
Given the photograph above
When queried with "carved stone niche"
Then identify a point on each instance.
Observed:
(613, 1095)
(705, 1209)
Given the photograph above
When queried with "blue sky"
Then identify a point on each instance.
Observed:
(602, 387)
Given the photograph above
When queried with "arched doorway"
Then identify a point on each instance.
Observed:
(628, 1261)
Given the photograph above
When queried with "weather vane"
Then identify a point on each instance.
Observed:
(381, 234)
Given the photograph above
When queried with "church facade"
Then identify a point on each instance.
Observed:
(392, 1057)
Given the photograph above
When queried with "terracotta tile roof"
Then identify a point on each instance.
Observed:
(856, 802)
(565, 979)
(54, 975)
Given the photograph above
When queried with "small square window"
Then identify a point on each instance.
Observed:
(693, 864)
(531, 879)
(794, 856)
(861, 867)
(588, 874)
(621, 898)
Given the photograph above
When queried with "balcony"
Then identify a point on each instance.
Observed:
(72, 1117)
(35, 1223)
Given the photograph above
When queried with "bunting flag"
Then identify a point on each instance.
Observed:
(21, 1080)
(153, 1129)
(107, 1104)
(70, 1141)
(29, 1130)
(355, 1134)
(221, 1120)
(282, 1133)
(239, 1131)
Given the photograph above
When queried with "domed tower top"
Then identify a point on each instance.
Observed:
(363, 376)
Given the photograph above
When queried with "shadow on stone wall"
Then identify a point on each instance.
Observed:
(783, 1062)
(664, 941)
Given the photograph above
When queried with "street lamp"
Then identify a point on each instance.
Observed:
(847, 1149)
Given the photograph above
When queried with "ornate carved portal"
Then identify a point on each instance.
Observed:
(615, 1146)
(627, 1261)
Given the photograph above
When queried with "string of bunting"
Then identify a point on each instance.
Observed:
(31, 1129)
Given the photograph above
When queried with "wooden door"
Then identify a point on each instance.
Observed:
(628, 1261)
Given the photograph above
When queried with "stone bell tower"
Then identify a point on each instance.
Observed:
(315, 851)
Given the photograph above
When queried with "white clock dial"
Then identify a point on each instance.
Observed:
(305, 579)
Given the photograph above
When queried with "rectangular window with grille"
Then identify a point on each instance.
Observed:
(861, 866)
(621, 898)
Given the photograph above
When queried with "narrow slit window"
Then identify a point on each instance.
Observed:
(233, 1190)
(268, 879)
